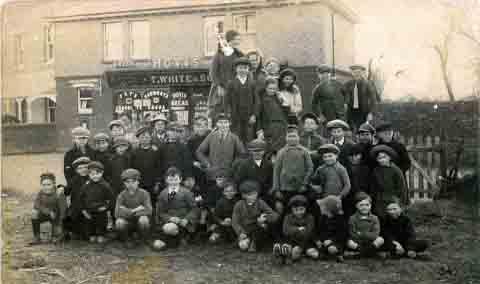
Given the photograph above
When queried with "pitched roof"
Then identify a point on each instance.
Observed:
(70, 10)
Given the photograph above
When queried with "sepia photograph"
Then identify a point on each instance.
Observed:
(240, 141)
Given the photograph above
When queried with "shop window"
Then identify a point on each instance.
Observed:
(246, 26)
(48, 43)
(212, 28)
(85, 100)
(139, 32)
(113, 41)
(19, 51)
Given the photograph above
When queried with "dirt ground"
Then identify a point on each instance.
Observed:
(455, 251)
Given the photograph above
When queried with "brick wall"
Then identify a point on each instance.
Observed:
(29, 138)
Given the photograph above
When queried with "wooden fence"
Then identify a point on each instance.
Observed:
(427, 163)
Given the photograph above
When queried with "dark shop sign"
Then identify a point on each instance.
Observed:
(158, 78)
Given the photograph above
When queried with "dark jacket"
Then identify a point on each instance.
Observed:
(95, 195)
(224, 209)
(70, 156)
(244, 216)
(293, 168)
(175, 154)
(400, 229)
(119, 163)
(221, 68)
(333, 228)
(328, 100)
(245, 168)
(74, 189)
(105, 158)
(148, 162)
(387, 182)
(331, 180)
(45, 203)
(363, 228)
(344, 149)
(126, 202)
(367, 96)
(291, 223)
(242, 102)
(182, 205)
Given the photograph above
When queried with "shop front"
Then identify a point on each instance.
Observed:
(181, 94)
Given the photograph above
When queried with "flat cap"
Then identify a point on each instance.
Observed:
(130, 174)
(383, 126)
(173, 171)
(115, 122)
(288, 72)
(223, 173)
(256, 145)
(241, 61)
(324, 69)
(249, 186)
(310, 115)
(366, 127)
(337, 123)
(95, 165)
(298, 200)
(361, 195)
(142, 130)
(47, 175)
(357, 67)
(80, 132)
(383, 149)
(81, 161)
(356, 148)
(101, 137)
(328, 148)
(120, 141)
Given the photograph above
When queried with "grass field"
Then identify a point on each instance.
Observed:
(455, 250)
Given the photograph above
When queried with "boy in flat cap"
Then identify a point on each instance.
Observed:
(96, 200)
(384, 134)
(159, 135)
(298, 229)
(47, 207)
(174, 153)
(200, 132)
(331, 178)
(121, 160)
(364, 228)
(399, 232)
(177, 213)
(337, 129)
(327, 97)
(365, 138)
(252, 218)
(360, 98)
(331, 227)
(292, 170)
(103, 154)
(242, 101)
(387, 179)
(220, 148)
(80, 149)
(133, 209)
(310, 138)
(253, 166)
(74, 222)
(147, 160)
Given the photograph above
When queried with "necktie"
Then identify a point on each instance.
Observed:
(355, 97)
(171, 195)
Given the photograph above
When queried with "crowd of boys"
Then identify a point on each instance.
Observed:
(267, 176)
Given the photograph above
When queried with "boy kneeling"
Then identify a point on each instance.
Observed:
(133, 208)
(364, 228)
(47, 207)
(399, 233)
(177, 212)
(252, 218)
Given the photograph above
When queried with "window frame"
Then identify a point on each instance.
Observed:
(246, 34)
(131, 40)
(51, 106)
(104, 42)
(48, 41)
(81, 110)
(206, 19)
(19, 51)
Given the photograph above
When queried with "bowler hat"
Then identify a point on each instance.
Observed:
(337, 123)
(384, 149)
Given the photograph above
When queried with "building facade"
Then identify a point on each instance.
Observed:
(112, 57)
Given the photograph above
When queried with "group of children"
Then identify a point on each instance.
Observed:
(313, 196)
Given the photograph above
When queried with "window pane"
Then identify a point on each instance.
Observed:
(113, 41)
(86, 93)
(140, 39)
(213, 26)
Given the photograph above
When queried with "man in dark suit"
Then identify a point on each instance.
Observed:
(360, 98)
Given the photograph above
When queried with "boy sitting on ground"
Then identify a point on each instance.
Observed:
(222, 215)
